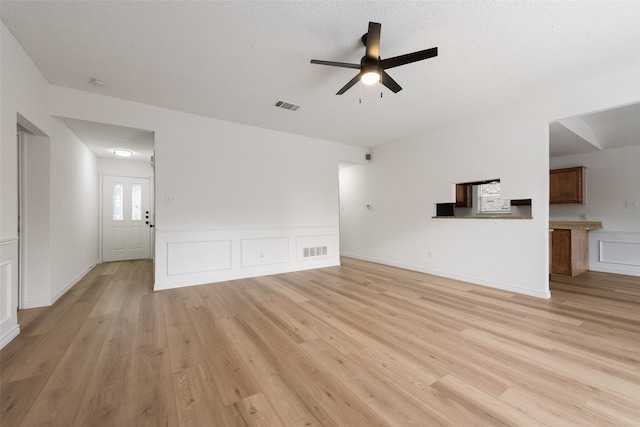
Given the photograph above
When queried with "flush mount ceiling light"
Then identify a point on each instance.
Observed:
(98, 83)
(122, 152)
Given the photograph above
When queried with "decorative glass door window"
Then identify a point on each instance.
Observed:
(136, 202)
(118, 201)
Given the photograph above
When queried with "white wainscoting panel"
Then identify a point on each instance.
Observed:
(271, 250)
(195, 257)
(627, 253)
(5, 291)
(615, 252)
(9, 328)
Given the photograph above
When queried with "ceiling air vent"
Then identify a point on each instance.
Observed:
(286, 105)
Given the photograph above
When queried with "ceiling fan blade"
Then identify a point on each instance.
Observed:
(408, 58)
(386, 80)
(373, 41)
(348, 86)
(336, 64)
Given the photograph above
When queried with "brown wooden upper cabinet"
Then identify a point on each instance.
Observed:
(567, 186)
(463, 196)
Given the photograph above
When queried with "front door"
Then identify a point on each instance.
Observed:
(126, 218)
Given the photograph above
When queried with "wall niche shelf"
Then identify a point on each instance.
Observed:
(484, 217)
(481, 200)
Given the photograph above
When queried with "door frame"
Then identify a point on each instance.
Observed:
(152, 214)
(21, 217)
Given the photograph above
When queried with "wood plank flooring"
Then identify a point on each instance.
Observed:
(357, 345)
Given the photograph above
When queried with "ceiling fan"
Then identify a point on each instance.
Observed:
(372, 68)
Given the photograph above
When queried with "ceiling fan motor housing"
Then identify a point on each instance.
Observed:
(368, 65)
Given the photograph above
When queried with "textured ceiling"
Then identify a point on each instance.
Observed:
(234, 60)
(102, 139)
(563, 142)
(619, 127)
(615, 128)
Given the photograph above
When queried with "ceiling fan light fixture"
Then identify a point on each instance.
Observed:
(370, 78)
(372, 67)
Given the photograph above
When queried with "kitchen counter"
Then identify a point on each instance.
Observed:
(575, 225)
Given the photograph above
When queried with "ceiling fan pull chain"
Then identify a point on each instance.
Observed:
(360, 96)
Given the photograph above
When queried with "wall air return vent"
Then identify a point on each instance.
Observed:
(286, 105)
(314, 251)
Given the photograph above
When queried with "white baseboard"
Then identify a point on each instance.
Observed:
(615, 270)
(247, 275)
(50, 301)
(72, 283)
(37, 303)
(11, 334)
(475, 281)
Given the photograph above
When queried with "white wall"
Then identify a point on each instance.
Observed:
(74, 209)
(247, 201)
(36, 229)
(125, 168)
(60, 214)
(613, 178)
(68, 249)
(24, 91)
(405, 180)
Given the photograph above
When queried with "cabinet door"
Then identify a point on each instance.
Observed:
(566, 186)
(463, 196)
(569, 252)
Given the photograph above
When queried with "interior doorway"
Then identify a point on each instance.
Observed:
(33, 149)
(125, 158)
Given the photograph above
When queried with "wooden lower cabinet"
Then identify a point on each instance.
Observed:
(569, 252)
(464, 195)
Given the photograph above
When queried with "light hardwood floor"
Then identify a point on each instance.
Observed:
(356, 345)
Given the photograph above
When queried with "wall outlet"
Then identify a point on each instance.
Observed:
(631, 204)
(170, 200)
(429, 254)
(583, 216)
